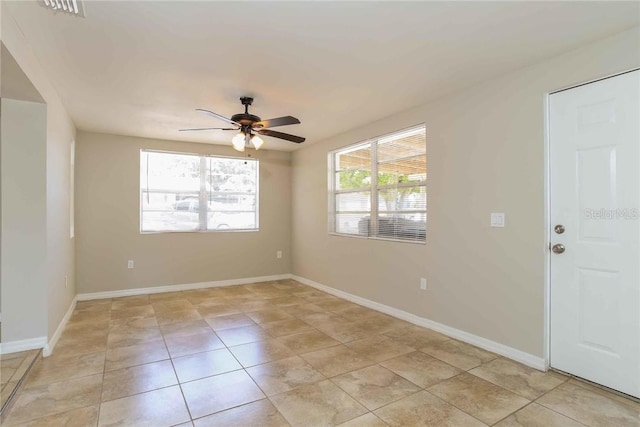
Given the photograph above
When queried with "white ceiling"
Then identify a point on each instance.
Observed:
(141, 68)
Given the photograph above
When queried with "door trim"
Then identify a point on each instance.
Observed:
(547, 235)
(595, 80)
(547, 210)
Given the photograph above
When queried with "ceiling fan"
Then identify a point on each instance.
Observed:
(249, 125)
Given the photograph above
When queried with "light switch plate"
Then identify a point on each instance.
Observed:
(497, 219)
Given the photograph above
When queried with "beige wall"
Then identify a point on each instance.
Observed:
(486, 153)
(23, 232)
(60, 131)
(107, 222)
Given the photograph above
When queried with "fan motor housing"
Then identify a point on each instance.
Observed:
(245, 119)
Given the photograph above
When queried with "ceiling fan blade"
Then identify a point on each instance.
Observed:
(276, 134)
(187, 130)
(278, 121)
(218, 116)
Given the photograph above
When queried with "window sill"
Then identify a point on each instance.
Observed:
(252, 230)
(354, 236)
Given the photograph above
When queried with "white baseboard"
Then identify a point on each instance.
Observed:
(22, 345)
(48, 348)
(175, 288)
(495, 347)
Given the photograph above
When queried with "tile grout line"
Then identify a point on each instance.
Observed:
(375, 363)
(300, 355)
(551, 409)
(295, 354)
(227, 348)
(420, 389)
(20, 386)
(462, 410)
(104, 366)
(512, 391)
(497, 385)
(258, 385)
(175, 372)
(508, 415)
(586, 384)
(446, 401)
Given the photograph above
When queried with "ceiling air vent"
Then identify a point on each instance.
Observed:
(73, 7)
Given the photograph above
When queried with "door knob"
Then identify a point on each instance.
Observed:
(558, 248)
(559, 229)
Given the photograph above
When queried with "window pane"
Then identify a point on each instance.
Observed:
(169, 172)
(403, 199)
(157, 201)
(232, 202)
(360, 201)
(397, 171)
(402, 226)
(232, 194)
(170, 221)
(412, 169)
(231, 221)
(353, 223)
(354, 158)
(353, 179)
(404, 144)
(233, 175)
(163, 211)
(169, 188)
(170, 191)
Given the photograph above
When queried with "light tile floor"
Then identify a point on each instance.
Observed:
(281, 353)
(13, 367)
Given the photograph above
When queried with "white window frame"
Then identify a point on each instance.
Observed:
(203, 195)
(373, 188)
(72, 189)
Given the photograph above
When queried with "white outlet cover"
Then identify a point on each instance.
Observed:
(497, 219)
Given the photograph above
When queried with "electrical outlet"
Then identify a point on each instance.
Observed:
(130, 263)
(423, 283)
(497, 219)
(279, 254)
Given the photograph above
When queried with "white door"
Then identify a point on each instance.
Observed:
(595, 195)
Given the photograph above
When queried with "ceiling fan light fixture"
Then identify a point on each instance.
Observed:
(238, 141)
(256, 141)
(247, 124)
